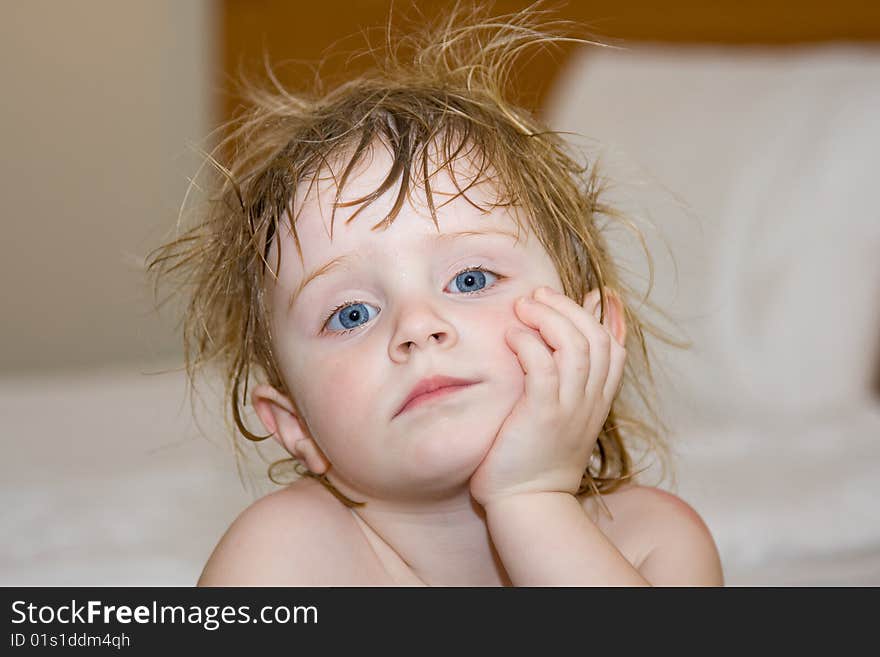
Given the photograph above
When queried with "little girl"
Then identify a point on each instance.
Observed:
(415, 268)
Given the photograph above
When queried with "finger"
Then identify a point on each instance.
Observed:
(541, 375)
(571, 351)
(596, 335)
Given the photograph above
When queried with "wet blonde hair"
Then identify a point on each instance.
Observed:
(443, 89)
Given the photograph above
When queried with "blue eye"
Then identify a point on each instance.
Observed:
(467, 279)
(354, 313)
(352, 316)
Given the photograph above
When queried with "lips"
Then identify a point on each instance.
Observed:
(430, 385)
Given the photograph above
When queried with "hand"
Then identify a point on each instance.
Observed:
(573, 368)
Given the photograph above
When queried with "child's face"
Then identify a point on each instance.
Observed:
(411, 317)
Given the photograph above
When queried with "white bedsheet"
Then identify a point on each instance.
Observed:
(789, 503)
(105, 481)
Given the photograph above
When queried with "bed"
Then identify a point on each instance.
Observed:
(756, 166)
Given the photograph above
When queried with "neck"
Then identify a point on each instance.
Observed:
(441, 542)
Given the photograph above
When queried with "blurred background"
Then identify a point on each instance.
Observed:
(741, 137)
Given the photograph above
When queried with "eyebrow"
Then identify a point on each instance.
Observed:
(348, 257)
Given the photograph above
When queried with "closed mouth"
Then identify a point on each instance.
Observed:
(434, 394)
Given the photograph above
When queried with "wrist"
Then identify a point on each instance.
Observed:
(518, 502)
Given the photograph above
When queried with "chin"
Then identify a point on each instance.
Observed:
(450, 448)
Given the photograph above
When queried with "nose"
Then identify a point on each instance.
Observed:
(421, 327)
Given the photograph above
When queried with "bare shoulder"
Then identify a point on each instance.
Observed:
(296, 536)
(664, 537)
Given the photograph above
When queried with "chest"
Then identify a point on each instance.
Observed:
(373, 563)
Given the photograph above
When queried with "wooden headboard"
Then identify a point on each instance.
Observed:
(303, 30)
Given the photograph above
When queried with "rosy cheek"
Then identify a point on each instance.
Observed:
(497, 317)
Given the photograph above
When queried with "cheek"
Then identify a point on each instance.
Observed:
(334, 395)
(511, 377)
(495, 355)
(496, 322)
(334, 382)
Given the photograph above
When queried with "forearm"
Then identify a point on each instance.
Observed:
(547, 539)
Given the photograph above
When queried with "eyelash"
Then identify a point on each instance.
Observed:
(349, 303)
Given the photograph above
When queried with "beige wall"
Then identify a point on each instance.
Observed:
(99, 101)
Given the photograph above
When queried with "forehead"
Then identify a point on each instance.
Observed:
(323, 235)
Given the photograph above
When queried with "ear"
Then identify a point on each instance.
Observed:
(615, 320)
(278, 415)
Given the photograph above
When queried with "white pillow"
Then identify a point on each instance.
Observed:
(778, 260)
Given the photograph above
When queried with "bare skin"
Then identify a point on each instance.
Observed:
(302, 535)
